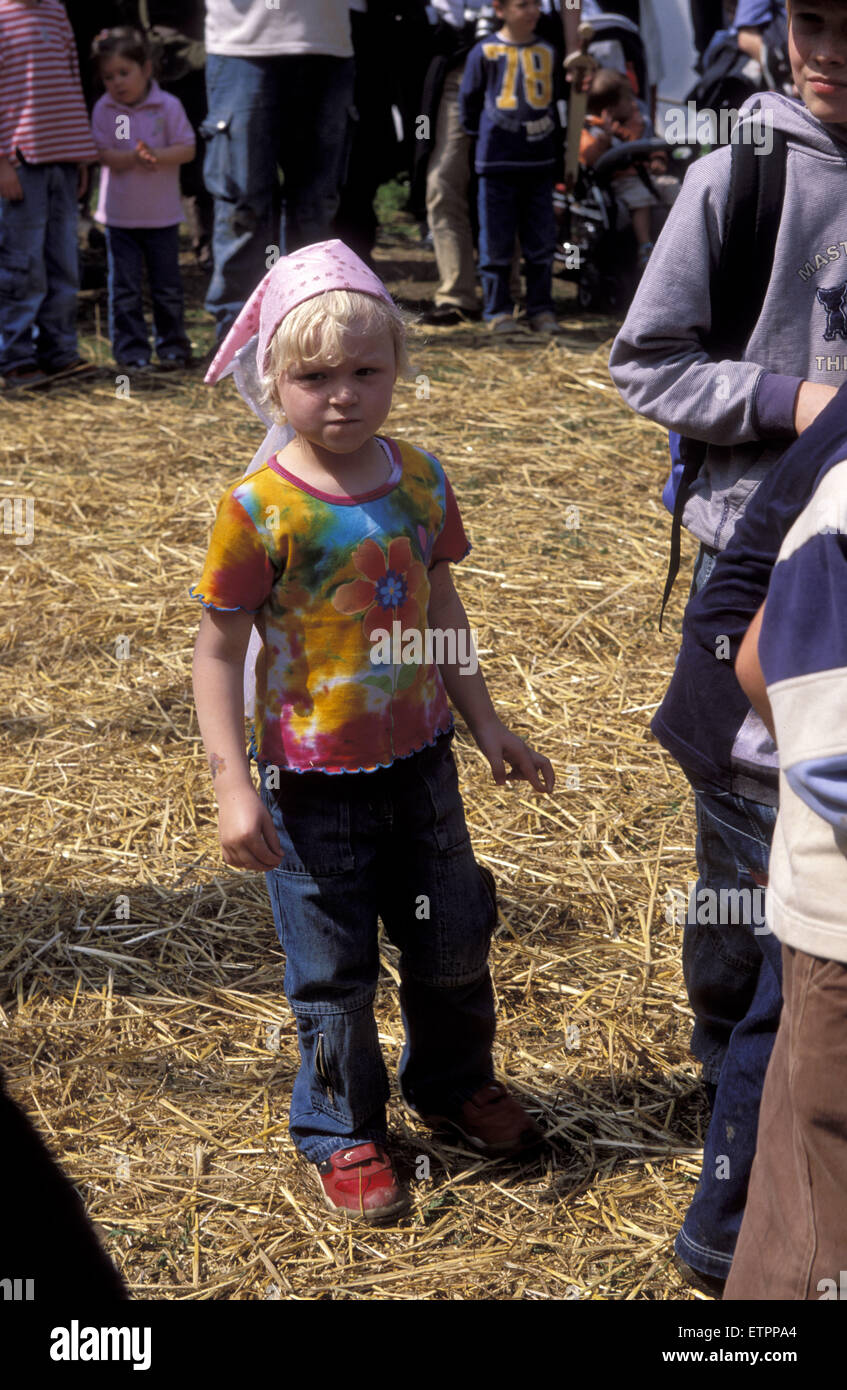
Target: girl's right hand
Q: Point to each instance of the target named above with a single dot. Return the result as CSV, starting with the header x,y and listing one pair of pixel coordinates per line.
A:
x,y
10,184
145,156
248,836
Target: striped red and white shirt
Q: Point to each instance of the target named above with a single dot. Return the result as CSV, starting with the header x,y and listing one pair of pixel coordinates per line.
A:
x,y
42,110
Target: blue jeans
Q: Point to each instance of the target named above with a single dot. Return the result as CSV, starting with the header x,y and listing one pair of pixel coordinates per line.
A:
x,y
39,271
128,249
394,844
290,111
510,205
733,974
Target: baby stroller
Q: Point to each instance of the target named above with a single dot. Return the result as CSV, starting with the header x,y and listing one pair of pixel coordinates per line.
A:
x,y
596,245
729,76
617,43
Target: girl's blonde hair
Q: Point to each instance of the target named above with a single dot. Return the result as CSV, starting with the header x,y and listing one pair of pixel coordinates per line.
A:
x,y
324,328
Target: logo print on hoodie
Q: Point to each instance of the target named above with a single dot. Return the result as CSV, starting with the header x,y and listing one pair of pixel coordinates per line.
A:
x,y
836,319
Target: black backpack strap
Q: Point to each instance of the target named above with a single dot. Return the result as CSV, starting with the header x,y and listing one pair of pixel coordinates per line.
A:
x,y
694,451
737,288
754,209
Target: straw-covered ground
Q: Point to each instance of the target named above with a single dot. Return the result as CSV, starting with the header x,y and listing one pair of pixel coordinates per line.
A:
x,y
143,1023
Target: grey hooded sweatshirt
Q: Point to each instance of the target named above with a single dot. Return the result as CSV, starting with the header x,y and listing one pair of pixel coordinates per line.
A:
x,y
743,409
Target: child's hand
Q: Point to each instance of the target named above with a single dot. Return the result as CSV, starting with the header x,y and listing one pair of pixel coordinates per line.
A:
x,y
145,155
10,184
247,833
500,747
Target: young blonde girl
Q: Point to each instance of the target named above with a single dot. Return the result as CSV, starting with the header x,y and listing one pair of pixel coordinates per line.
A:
x,y
338,536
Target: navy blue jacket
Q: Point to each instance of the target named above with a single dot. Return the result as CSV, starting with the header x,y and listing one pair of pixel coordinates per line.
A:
x,y
705,719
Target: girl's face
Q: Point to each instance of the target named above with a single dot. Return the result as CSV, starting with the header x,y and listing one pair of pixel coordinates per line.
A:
x,y
341,408
125,80
817,48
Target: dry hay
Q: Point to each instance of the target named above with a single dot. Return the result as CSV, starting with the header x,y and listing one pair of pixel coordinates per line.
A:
x,y
145,1044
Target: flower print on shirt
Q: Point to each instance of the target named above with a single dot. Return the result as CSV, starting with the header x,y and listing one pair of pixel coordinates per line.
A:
x,y
388,590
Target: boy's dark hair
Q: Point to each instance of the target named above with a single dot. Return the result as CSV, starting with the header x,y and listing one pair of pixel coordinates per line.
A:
x,y
123,42
607,87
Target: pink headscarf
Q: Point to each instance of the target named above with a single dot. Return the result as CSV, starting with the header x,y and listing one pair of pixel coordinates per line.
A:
x,y
326,265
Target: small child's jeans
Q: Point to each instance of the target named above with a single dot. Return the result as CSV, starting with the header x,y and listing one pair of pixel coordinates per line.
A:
x,y
516,204
39,273
128,249
394,844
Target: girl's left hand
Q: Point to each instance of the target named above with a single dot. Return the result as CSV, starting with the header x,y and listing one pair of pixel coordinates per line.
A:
x,y
146,155
500,747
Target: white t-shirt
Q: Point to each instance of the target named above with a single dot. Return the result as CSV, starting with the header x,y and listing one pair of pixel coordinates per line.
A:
x,y
260,30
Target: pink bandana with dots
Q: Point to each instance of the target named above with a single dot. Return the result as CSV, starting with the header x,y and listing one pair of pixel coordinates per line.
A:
x,y
326,265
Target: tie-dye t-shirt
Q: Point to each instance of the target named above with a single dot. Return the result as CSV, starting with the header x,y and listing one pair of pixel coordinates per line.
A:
x,y
322,574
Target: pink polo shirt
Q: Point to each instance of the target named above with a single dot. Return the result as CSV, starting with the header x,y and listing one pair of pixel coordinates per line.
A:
x,y
140,197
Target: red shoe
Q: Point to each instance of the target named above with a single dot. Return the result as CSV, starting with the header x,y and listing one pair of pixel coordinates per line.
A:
x,y
492,1122
360,1182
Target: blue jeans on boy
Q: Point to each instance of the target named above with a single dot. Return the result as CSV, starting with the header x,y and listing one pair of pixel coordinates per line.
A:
x,y
289,112
127,250
733,974
391,843
516,204
39,270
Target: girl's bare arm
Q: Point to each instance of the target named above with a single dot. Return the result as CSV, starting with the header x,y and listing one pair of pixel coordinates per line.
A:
x,y
469,694
248,837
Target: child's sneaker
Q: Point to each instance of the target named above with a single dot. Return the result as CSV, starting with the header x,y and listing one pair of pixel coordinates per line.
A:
x,y
142,368
24,379
359,1182
492,1122
78,369
544,323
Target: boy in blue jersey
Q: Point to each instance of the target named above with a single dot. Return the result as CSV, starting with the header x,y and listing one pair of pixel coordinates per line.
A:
x,y
507,101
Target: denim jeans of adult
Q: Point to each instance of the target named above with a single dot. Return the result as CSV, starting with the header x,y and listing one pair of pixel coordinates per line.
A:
x,y
394,844
516,204
39,270
288,112
128,249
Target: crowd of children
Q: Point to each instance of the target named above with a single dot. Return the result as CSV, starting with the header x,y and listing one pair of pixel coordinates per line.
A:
x,y
506,101
342,531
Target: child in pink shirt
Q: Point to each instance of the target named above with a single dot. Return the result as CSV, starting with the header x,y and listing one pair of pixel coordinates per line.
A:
x,y
45,147
142,136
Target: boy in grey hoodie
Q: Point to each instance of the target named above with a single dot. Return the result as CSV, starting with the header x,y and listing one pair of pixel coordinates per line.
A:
x,y
748,411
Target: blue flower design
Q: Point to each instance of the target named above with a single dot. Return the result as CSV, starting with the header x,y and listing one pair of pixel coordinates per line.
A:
x,y
391,590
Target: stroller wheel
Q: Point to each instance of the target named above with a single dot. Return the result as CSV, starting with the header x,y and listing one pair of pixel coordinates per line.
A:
x,y
598,292
586,294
